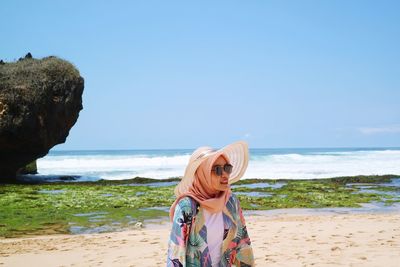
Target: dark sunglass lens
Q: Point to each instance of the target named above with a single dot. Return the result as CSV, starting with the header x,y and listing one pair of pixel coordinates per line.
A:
x,y
228,168
218,170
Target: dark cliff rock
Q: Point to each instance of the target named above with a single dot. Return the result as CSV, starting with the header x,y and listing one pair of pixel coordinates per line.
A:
x,y
40,100
31,168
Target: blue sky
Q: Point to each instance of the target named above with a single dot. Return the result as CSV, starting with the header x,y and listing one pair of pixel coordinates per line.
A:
x,y
181,74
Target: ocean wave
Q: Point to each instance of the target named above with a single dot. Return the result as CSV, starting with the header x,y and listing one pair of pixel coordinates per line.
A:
x,y
291,165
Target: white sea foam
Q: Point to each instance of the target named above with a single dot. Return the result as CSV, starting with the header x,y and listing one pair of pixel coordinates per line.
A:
x,y
113,167
263,164
324,165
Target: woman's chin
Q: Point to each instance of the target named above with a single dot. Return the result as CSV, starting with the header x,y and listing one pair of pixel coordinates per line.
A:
x,y
223,187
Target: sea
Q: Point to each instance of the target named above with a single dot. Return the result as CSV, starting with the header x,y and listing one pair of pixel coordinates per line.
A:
x,y
286,163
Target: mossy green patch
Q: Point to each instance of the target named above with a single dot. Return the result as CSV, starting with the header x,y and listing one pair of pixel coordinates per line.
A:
x,y
25,208
64,206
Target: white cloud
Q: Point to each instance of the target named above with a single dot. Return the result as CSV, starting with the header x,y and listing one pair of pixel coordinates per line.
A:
x,y
380,130
247,136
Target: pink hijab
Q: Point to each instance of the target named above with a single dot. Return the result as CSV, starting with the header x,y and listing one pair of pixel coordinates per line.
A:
x,y
203,188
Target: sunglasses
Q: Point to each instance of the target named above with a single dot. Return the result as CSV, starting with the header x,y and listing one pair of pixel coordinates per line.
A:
x,y
218,169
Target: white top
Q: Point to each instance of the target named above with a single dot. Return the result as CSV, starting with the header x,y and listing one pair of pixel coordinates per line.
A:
x,y
215,235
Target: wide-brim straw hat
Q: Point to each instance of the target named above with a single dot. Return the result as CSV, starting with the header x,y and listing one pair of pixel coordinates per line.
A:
x,y
237,154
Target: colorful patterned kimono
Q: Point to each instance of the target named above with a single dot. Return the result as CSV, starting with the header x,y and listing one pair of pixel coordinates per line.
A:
x,y
188,240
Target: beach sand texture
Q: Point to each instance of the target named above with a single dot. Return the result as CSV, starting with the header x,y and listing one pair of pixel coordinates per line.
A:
x,y
278,240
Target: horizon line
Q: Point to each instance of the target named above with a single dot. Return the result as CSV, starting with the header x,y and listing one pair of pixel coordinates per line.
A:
x,y
272,148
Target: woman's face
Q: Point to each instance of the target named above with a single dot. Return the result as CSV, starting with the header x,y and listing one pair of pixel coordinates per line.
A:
x,y
220,183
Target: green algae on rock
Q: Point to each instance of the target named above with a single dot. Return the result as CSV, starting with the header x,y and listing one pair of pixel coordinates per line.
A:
x,y
65,207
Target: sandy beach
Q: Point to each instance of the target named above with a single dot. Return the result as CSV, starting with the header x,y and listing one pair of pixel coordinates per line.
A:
x,y
288,239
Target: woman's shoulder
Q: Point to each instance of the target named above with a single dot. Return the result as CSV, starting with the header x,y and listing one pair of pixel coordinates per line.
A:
x,y
187,204
233,198
233,201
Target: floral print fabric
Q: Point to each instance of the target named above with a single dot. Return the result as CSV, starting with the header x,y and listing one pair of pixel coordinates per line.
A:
x,y
188,239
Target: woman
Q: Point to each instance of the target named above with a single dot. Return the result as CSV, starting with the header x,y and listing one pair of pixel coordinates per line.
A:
x,y
208,227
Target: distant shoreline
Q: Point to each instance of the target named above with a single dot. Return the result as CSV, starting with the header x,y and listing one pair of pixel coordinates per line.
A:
x,y
255,148
38,179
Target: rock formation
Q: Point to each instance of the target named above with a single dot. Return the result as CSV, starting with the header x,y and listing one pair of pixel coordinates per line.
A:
x,y
40,100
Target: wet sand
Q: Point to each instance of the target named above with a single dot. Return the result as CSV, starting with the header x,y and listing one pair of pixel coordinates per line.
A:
x,y
281,239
